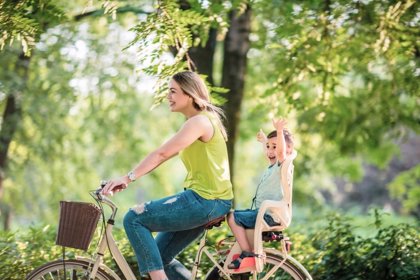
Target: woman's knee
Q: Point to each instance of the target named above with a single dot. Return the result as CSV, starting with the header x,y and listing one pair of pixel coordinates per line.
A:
x,y
130,219
134,215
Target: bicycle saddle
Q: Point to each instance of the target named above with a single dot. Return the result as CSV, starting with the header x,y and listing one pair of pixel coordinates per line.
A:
x,y
214,223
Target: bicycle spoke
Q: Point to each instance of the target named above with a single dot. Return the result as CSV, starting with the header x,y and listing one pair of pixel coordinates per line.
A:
x,y
75,270
274,269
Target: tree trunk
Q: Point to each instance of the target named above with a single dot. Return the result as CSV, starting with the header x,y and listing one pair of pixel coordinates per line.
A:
x,y
203,57
10,121
236,48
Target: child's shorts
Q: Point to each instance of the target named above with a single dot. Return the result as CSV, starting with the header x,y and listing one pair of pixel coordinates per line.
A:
x,y
247,218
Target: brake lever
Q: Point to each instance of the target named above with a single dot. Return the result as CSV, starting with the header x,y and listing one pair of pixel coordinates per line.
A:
x,y
98,191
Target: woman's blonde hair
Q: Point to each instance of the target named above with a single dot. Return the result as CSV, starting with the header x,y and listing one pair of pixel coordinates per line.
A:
x,y
192,85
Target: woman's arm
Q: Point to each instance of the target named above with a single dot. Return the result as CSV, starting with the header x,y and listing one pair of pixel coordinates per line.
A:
x,y
194,128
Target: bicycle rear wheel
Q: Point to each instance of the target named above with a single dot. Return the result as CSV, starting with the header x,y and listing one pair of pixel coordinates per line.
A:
x,y
74,270
287,271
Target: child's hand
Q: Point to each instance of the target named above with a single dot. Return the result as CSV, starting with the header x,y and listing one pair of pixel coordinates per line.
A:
x,y
279,124
261,137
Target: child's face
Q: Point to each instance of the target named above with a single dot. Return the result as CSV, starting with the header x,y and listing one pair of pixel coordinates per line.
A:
x,y
270,149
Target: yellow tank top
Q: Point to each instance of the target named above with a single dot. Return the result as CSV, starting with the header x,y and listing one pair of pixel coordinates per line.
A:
x,y
208,166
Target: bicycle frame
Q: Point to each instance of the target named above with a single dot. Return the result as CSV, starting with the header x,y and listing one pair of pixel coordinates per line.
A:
x,y
202,248
235,249
108,241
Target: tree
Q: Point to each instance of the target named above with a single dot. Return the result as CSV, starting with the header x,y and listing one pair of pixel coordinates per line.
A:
x,y
190,29
345,71
36,132
333,64
25,21
350,72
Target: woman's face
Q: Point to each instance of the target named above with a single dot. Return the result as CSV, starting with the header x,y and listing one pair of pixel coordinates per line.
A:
x,y
178,100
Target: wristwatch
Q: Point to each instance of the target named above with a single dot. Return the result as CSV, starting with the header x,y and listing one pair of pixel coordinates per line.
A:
x,y
131,176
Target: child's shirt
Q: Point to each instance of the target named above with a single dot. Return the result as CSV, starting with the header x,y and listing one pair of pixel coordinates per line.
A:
x,y
269,187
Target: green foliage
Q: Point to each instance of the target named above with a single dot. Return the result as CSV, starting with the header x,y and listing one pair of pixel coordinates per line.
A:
x,y
405,187
391,253
26,21
169,27
86,116
345,73
175,28
330,63
22,252
333,251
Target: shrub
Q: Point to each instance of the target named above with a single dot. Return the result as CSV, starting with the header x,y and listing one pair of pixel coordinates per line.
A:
x,y
334,252
22,252
392,253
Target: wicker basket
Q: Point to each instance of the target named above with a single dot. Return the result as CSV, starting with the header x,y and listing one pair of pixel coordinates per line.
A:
x,y
78,221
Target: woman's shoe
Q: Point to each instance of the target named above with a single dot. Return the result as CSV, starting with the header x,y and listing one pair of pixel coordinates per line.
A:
x,y
238,261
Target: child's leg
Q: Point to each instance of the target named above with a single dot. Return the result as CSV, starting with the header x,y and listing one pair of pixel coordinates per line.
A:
x,y
239,233
239,221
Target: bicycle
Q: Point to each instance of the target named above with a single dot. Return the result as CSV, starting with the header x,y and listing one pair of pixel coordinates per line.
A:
x,y
270,263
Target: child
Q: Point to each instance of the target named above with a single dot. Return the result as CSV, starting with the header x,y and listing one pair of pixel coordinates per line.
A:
x,y
278,145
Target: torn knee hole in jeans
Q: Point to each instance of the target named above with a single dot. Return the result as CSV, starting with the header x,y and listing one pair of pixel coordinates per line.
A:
x,y
139,208
171,200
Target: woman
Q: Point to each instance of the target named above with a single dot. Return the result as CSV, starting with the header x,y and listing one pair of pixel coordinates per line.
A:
x,y
180,219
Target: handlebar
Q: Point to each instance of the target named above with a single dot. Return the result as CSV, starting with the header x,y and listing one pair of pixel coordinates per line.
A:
x,y
102,199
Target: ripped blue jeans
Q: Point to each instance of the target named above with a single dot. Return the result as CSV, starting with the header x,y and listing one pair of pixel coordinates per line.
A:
x,y
179,219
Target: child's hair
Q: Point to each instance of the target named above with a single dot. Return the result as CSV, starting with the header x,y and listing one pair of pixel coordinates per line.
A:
x,y
287,136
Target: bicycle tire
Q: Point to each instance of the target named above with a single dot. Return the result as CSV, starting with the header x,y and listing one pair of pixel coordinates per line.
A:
x,y
288,271
75,270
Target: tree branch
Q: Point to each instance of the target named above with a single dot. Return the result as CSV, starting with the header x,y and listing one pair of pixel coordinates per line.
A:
x,y
101,12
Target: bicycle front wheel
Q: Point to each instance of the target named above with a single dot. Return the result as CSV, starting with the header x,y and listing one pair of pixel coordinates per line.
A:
x,y
272,271
67,270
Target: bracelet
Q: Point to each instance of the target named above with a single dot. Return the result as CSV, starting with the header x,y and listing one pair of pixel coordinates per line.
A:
x,y
131,176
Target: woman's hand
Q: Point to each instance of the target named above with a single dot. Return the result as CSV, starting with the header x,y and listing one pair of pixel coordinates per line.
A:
x,y
261,137
115,185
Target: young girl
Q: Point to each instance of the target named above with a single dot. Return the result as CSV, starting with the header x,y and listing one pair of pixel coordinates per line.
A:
x,y
279,144
180,219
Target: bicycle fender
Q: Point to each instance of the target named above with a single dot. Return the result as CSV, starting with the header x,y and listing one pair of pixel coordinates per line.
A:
x,y
291,259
